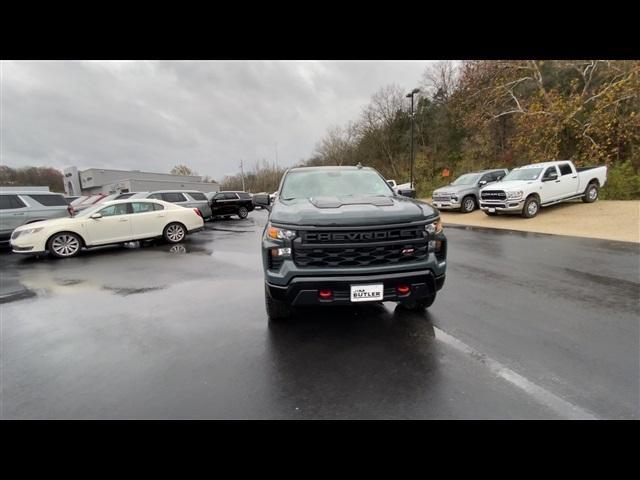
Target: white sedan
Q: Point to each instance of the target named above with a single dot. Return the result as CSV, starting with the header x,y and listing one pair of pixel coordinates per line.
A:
x,y
118,221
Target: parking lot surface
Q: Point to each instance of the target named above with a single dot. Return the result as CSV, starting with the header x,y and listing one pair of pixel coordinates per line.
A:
x,y
527,326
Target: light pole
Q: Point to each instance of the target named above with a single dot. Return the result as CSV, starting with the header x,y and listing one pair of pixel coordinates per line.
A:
x,y
410,95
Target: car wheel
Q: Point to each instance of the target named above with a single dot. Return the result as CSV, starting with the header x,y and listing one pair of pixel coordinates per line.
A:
x,y
468,204
591,193
174,232
531,207
418,305
243,212
491,214
276,309
64,245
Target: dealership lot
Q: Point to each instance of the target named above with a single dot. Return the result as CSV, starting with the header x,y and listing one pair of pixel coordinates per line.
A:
x,y
527,326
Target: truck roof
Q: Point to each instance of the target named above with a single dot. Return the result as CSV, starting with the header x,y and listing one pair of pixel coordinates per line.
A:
x,y
332,167
544,164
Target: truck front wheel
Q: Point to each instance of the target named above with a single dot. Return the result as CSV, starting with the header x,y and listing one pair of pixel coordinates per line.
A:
x,y
531,207
276,309
591,193
468,204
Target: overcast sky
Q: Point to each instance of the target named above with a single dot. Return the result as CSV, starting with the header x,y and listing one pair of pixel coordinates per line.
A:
x,y
151,116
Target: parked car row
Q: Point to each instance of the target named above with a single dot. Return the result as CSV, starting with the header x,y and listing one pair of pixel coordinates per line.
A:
x,y
20,209
112,222
523,190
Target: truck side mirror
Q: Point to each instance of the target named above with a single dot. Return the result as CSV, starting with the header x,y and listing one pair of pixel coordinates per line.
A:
x,y
262,200
407,192
482,182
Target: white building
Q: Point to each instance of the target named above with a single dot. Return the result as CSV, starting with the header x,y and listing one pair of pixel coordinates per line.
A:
x,y
102,180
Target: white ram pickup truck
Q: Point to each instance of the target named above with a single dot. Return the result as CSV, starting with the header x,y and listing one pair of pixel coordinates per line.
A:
x,y
525,189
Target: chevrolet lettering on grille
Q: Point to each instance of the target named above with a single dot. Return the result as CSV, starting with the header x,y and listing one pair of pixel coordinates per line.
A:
x,y
360,236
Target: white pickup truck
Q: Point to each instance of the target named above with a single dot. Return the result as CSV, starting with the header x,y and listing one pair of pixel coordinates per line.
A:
x,y
525,189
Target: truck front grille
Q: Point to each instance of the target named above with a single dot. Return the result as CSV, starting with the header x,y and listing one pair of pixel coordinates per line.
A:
x,y
493,195
361,247
360,256
441,197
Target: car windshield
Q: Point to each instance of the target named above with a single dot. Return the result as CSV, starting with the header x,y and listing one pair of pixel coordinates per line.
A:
x,y
468,179
89,211
329,182
523,174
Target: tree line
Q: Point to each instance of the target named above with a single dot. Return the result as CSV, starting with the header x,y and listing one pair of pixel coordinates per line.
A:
x,y
32,176
484,114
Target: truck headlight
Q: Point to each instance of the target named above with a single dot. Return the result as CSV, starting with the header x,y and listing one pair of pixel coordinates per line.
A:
x,y
514,195
433,228
280,233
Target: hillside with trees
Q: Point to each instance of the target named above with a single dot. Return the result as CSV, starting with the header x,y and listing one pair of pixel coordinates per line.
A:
x,y
32,176
484,114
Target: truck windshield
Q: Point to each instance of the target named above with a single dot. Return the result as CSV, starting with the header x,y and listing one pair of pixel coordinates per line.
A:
x,y
328,183
523,174
467,179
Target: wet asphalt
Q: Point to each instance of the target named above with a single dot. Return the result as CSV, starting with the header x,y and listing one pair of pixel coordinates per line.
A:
x,y
528,326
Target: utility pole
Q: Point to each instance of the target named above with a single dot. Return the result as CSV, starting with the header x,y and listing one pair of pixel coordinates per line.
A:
x,y
276,156
411,94
242,174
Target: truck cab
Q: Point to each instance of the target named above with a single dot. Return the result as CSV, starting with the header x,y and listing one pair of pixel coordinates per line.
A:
x,y
526,189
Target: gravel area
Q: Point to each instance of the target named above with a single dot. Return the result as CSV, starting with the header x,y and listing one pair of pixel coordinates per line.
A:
x,y
606,219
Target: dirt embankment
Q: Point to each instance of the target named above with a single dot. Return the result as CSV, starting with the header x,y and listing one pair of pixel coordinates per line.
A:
x,y
606,219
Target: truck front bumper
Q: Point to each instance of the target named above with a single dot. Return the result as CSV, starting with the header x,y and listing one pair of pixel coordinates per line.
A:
x,y
502,205
304,291
448,205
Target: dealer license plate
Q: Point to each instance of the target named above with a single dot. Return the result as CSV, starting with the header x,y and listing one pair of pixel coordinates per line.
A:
x,y
492,210
367,293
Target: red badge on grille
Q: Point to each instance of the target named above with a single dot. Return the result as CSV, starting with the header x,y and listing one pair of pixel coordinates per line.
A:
x,y
407,251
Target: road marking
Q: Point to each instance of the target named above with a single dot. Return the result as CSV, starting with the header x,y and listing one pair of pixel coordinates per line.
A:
x,y
550,400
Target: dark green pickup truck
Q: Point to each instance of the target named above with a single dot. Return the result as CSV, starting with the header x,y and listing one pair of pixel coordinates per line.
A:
x,y
341,235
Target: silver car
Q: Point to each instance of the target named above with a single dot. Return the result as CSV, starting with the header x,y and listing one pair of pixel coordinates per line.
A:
x,y
463,194
184,198
21,207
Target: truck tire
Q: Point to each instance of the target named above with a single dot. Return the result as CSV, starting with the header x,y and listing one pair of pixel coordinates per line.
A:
x,y
418,305
531,207
468,204
491,214
591,193
276,310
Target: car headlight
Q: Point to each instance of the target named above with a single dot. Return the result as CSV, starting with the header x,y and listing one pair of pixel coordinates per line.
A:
x,y
514,195
280,233
434,228
26,231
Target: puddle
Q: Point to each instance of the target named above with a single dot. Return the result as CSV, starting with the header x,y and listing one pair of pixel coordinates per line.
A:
x,y
231,230
65,282
187,249
123,291
15,296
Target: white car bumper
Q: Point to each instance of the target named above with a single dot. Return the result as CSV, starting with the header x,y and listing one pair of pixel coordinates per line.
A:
x,y
28,243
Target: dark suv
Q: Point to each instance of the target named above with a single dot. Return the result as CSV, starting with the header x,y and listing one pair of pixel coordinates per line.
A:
x,y
341,235
225,204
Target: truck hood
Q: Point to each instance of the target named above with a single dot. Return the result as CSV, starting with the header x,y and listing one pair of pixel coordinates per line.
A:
x,y
509,185
453,189
348,210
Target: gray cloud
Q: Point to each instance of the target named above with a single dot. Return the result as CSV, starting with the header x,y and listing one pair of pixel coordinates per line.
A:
x,y
208,115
